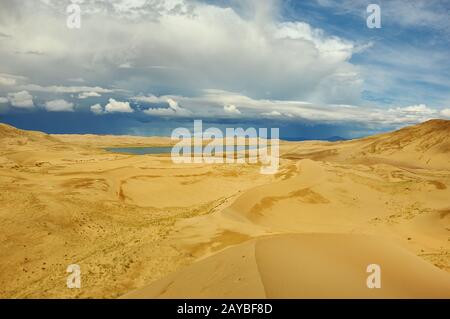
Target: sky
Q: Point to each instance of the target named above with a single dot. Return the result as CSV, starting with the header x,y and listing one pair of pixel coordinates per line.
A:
x,y
313,68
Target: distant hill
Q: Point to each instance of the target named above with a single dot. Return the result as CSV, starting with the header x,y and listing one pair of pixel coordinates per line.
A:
x,y
426,143
9,135
335,139
433,135
422,145
329,139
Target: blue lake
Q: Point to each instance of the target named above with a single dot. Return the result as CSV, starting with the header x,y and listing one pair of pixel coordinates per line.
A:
x,y
157,149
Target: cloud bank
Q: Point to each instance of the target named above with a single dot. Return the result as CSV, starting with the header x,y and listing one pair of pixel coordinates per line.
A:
x,y
243,60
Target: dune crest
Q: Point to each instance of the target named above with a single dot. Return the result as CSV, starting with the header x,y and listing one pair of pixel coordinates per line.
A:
x,y
304,266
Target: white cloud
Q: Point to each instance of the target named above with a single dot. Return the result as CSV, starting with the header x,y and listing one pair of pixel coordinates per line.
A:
x,y
328,47
21,99
113,106
231,108
3,100
149,99
85,95
65,89
97,109
211,104
7,81
118,107
396,116
445,112
59,106
10,79
273,113
126,65
193,45
407,114
173,104
160,111
420,109
173,110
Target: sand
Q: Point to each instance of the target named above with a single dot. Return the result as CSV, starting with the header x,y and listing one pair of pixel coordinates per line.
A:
x,y
304,266
142,226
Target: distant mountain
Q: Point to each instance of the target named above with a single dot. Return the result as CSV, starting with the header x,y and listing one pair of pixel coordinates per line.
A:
x,y
335,139
329,139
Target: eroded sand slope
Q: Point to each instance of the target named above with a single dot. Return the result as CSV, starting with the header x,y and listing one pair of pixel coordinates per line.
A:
x,y
304,266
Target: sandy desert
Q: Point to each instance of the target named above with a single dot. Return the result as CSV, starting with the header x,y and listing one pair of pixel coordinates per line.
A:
x,y
141,226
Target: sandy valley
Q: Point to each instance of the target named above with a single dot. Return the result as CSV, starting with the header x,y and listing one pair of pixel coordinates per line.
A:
x,y
142,226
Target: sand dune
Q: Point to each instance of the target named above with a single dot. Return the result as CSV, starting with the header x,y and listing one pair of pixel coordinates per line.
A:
x,y
425,145
304,266
112,140
131,220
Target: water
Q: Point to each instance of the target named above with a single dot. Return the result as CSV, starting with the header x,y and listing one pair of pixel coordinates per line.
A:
x,y
157,149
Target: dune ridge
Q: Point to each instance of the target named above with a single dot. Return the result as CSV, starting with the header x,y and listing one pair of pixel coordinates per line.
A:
x,y
304,266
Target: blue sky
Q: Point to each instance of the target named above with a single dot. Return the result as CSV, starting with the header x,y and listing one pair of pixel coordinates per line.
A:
x,y
312,68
